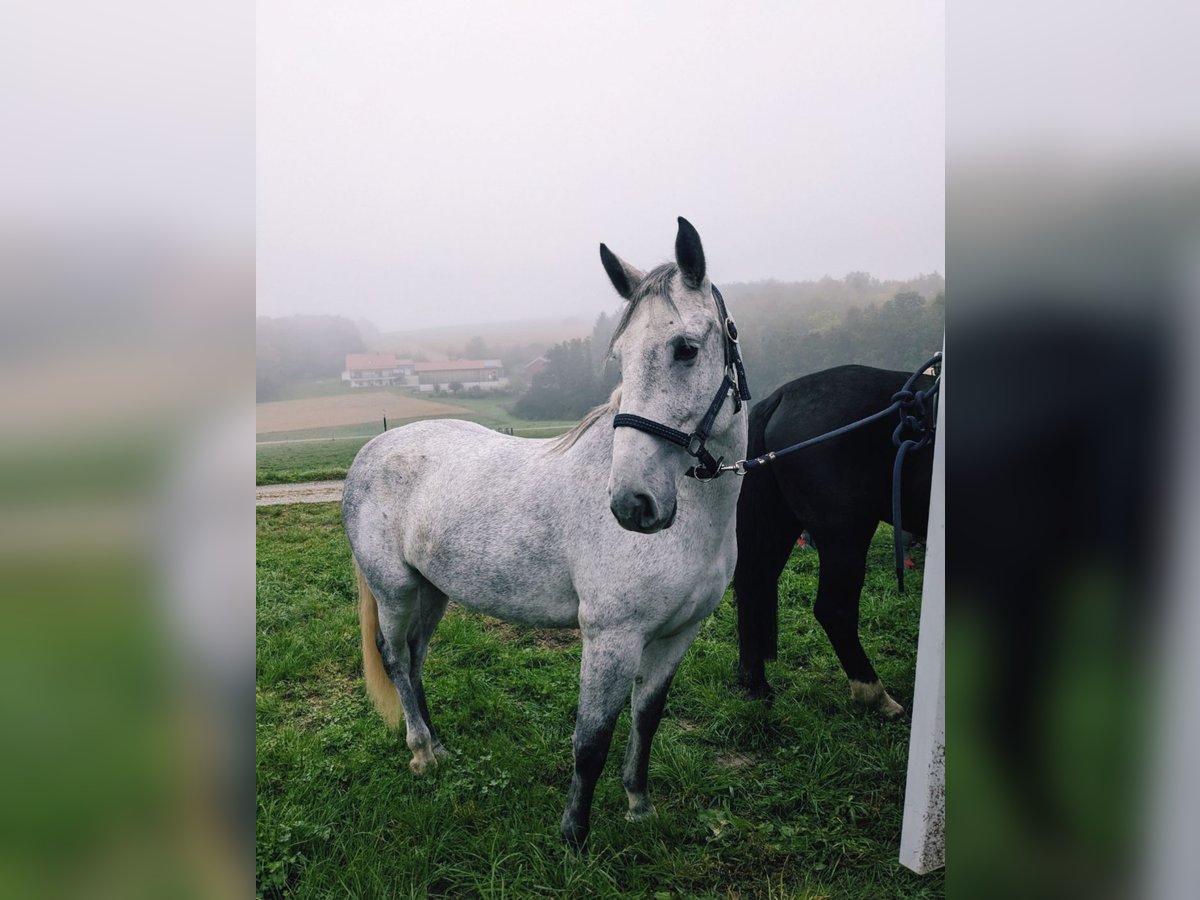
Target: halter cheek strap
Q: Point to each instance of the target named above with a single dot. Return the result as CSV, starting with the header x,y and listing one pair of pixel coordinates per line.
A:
x,y
733,384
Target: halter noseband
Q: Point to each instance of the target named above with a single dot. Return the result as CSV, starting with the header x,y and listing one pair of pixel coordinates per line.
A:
x,y
733,384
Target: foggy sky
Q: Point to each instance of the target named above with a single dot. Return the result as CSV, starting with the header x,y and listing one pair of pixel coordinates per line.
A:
x,y
423,163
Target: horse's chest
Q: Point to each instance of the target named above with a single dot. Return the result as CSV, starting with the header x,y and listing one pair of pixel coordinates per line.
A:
x,y
674,601
694,609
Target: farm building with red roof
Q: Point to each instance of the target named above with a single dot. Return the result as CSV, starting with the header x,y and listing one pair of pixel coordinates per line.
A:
x,y
377,369
487,374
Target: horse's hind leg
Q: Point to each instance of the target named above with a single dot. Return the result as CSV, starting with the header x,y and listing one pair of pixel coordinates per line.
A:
x,y
405,625
843,553
660,659
433,606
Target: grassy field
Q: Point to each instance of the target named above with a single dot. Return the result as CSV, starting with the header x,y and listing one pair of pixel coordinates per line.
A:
x,y
313,387
314,454
799,799
307,461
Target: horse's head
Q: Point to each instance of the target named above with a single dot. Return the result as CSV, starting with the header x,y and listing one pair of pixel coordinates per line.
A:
x,y
671,347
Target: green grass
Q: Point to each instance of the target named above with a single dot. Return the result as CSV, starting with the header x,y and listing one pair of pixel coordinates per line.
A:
x,y
329,432
799,799
308,461
313,387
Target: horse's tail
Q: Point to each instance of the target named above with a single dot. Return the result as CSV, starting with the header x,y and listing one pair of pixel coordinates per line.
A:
x,y
379,684
757,606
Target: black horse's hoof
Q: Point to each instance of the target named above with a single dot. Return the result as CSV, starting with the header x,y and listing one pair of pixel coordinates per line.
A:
x,y
762,691
574,836
754,684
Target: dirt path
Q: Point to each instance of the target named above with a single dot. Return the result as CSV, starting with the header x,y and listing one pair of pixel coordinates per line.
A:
x,y
305,492
320,440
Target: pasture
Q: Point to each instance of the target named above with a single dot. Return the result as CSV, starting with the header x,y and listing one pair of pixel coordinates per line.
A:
x,y
802,798
309,460
325,450
361,406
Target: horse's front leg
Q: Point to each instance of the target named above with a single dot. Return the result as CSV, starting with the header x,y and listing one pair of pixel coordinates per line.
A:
x,y
609,663
843,554
660,659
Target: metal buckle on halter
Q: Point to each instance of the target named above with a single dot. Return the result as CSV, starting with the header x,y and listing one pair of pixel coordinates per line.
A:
x,y
716,472
695,444
731,331
734,387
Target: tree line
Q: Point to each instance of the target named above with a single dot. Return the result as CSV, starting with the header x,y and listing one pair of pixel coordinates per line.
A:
x,y
572,382
787,329
899,332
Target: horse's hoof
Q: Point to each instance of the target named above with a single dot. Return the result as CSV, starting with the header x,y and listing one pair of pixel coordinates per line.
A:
x,y
757,690
873,696
440,751
889,708
753,682
422,762
641,813
574,836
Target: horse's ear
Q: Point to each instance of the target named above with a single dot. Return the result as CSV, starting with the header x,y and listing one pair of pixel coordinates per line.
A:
x,y
623,276
689,254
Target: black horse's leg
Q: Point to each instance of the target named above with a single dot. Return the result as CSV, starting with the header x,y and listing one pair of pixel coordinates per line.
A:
x,y
605,678
843,554
766,533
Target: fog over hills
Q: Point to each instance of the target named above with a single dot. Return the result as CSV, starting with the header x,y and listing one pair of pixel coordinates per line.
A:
x,y
426,165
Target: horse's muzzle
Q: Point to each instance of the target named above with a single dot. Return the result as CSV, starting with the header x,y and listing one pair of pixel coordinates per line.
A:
x,y
640,512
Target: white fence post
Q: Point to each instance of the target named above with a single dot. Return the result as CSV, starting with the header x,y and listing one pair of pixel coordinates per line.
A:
x,y
923,836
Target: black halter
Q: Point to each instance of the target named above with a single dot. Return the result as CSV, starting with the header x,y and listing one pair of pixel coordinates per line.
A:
x,y
733,384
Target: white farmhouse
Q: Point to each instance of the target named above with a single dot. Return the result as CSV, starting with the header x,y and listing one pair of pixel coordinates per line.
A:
x,y
486,374
377,369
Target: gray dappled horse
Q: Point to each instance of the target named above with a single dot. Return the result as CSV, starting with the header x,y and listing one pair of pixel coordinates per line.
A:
x,y
598,529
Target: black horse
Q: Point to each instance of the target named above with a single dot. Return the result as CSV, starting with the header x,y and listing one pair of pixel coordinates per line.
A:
x,y
839,491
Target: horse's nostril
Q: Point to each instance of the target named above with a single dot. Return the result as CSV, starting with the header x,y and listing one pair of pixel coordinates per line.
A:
x,y
638,511
646,510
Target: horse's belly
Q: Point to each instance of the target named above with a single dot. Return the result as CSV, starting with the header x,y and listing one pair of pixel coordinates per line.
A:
x,y
525,609
501,578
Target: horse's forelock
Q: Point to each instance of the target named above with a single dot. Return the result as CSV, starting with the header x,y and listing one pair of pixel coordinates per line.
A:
x,y
656,284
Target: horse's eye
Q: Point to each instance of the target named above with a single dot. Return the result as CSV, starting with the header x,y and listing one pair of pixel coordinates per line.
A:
x,y
685,352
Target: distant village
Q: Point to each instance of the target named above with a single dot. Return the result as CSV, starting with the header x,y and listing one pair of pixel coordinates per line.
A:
x,y
381,369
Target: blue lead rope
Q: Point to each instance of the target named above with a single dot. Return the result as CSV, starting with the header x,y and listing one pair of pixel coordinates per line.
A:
x,y
913,432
